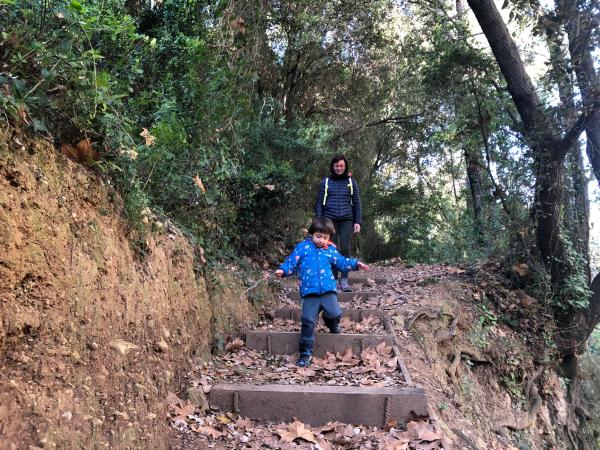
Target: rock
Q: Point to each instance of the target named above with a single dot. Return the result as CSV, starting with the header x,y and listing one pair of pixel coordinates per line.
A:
x,y
161,346
123,347
198,398
96,422
165,332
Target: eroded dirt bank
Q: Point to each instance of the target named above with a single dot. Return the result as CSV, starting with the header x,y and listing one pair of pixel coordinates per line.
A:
x,y
92,338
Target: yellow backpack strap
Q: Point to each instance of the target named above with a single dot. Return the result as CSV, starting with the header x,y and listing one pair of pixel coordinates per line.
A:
x,y
351,186
326,189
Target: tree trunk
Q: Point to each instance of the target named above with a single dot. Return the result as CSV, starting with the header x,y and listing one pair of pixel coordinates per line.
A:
x,y
475,186
575,323
576,220
579,29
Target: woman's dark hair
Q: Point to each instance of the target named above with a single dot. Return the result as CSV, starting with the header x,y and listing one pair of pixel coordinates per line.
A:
x,y
321,225
338,158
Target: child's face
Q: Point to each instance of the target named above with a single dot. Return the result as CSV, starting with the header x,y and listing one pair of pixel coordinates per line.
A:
x,y
320,239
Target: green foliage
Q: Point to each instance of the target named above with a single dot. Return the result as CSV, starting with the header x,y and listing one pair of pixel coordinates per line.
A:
x,y
574,291
85,69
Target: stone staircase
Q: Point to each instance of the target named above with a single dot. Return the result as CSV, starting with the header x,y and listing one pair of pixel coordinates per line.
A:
x,y
325,402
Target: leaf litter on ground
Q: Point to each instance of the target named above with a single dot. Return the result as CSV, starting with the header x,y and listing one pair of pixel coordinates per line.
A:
x,y
218,430
369,324
375,367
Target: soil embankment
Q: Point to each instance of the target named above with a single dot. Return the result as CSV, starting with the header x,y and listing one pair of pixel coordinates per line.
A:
x,y
92,337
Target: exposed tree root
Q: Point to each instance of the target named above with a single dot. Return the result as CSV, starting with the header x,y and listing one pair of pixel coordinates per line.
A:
x,y
428,313
473,355
523,423
446,335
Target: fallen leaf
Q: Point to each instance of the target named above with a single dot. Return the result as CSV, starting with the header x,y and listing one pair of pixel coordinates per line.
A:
x,y
423,431
234,344
296,430
223,419
522,269
148,137
199,183
207,431
239,24
172,399
183,410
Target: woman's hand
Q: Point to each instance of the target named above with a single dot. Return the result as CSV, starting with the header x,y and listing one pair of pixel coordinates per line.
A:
x,y
362,266
279,273
357,228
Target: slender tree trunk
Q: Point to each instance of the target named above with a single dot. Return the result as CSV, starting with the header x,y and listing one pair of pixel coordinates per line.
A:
x,y
420,182
475,185
577,206
579,29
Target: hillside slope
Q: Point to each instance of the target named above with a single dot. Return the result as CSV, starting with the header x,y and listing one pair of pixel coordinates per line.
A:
x,y
92,337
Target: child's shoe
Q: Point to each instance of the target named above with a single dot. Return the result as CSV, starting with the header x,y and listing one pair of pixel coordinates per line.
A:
x,y
333,324
335,329
344,285
304,360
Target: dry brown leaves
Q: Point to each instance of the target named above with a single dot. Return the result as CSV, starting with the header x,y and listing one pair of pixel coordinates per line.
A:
x,y
369,324
376,366
147,137
230,431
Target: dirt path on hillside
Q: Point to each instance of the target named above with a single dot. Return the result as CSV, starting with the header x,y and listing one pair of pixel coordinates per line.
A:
x,y
453,344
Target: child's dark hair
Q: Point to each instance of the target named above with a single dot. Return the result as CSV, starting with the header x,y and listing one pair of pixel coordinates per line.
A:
x,y
321,225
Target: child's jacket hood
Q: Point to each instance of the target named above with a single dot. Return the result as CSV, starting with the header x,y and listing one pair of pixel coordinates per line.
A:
x,y
314,267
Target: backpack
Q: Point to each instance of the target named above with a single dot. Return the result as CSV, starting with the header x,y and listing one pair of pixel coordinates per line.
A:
x,y
350,185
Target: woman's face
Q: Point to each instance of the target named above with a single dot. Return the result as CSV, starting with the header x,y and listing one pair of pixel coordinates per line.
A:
x,y
339,167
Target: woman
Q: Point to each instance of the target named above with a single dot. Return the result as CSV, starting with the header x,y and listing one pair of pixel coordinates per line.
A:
x,y
339,200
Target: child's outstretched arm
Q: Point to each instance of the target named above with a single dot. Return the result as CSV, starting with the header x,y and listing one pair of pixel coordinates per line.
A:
x,y
344,264
290,265
362,266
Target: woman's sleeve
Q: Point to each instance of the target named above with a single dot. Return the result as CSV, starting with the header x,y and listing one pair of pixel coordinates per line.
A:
x,y
319,209
356,206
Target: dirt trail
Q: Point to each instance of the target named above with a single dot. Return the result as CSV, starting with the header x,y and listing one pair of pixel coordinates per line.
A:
x,y
478,373
102,348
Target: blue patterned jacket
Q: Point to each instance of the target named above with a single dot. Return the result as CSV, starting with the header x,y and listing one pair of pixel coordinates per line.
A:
x,y
314,264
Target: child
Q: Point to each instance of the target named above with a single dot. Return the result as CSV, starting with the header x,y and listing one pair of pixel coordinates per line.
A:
x,y
314,259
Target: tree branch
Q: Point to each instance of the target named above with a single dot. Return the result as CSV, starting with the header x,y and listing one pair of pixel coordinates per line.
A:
x,y
396,120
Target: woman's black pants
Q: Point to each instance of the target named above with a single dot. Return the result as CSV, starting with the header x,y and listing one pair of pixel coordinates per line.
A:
x,y
342,239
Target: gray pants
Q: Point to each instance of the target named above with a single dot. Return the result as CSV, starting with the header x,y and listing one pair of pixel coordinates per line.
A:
x,y
342,240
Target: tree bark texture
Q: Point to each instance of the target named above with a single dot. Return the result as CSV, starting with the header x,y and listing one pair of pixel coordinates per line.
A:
x,y
579,28
543,135
576,220
519,84
475,186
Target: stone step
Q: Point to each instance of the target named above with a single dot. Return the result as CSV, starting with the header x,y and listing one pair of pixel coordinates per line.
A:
x,y
361,278
344,296
317,405
355,315
286,343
